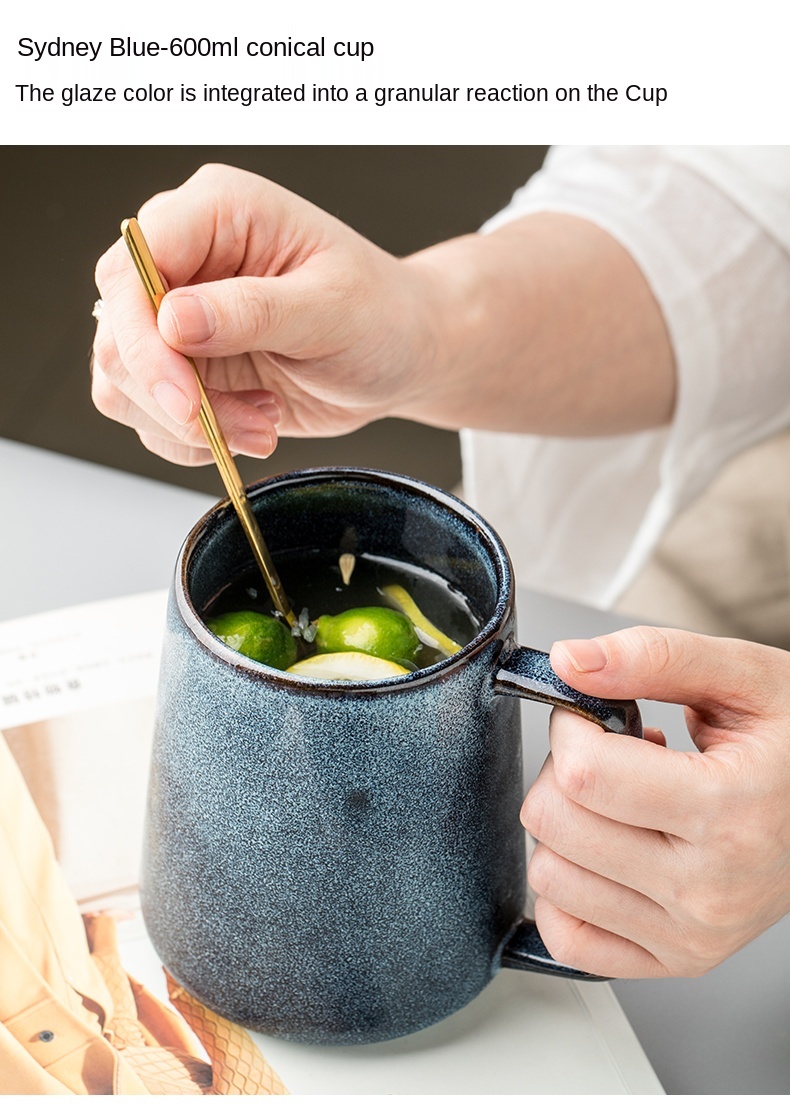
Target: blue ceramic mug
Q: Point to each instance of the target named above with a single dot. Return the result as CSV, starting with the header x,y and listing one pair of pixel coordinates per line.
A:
x,y
333,862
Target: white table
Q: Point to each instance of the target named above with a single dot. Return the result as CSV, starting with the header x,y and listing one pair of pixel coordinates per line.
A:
x,y
76,532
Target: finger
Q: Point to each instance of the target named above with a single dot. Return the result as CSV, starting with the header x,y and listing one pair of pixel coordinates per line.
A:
x,y
160,372
289,314
173,451
703,672
253,443
108,370
654,735
250,418
641,858
606,905
117,404
634,782
587,947
119,397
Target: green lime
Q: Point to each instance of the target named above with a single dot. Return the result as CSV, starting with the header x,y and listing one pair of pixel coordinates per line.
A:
x,y
382,632
262,638
347,665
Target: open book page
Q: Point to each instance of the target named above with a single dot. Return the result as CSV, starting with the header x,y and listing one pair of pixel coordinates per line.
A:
x,y
77,692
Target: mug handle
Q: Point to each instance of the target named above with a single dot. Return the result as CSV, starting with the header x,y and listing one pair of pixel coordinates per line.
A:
x,y
528,674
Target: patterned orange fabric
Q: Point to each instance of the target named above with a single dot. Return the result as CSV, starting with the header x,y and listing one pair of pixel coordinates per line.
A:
x,y
236,1063
71,1019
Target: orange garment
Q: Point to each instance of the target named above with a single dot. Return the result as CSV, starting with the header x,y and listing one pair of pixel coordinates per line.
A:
x,y
71,1020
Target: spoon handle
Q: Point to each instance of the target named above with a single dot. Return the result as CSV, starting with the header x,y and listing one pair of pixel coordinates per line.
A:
x,y
154,286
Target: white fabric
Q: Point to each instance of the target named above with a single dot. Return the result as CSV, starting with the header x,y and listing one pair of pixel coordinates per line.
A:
x,y
710,229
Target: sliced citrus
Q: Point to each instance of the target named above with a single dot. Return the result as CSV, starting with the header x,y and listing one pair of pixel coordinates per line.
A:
x,y
428,632
347,665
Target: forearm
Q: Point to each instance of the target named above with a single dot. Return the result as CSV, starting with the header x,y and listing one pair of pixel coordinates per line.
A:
x,y
546,326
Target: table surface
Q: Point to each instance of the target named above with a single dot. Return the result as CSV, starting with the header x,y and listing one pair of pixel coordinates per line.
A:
x,y
77,532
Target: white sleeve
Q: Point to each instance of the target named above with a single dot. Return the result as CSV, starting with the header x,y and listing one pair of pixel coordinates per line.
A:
x,y
709,228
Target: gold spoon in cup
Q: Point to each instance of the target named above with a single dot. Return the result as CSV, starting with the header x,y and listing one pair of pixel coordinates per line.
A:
x,y
154,286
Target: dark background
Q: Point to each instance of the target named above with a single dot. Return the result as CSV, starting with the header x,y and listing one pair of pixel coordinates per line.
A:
x,y
63,206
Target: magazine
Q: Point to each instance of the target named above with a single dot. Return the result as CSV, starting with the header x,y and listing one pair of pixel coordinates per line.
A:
x,y
77,689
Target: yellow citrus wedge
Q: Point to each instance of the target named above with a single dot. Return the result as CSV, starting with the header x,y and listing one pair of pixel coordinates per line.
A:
x,y
433,636
347,665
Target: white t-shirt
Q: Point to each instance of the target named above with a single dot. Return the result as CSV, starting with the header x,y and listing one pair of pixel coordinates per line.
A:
x,y
710,229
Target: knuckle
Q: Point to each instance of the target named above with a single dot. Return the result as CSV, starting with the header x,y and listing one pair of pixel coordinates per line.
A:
x,y
686,964
728,821
152,203
538,809
104,395
193,437
135,353
156,445
543,872
100,270
698,944
711,823
175,452
250,305
709,918
712,913
734,841
105,267
654,644
211,171
110,266
575,776
103,358
561,940
703,951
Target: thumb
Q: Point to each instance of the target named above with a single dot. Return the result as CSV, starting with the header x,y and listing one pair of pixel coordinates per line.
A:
x,y
710,675
285,314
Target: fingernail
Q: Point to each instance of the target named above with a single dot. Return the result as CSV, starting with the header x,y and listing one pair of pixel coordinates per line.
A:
x,y
585,655
255,444
173,401
192,317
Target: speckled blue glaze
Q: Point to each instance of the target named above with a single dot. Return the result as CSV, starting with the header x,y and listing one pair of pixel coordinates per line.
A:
x,y
337,863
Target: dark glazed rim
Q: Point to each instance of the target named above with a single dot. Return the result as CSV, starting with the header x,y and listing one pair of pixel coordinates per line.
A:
x,y
257,670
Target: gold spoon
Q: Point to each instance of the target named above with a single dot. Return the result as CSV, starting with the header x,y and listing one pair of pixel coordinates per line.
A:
x,y
149,275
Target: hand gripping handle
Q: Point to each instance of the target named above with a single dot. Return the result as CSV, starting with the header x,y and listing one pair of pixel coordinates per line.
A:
x,y
527,673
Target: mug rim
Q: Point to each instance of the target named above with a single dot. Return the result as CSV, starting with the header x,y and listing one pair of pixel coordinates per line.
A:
x,y
316,475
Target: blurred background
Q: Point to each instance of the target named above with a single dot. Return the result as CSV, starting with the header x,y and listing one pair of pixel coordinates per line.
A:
x,y
63,207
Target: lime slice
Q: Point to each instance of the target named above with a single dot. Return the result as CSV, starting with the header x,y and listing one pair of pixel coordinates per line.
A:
x,y
347,665
428,632
373,630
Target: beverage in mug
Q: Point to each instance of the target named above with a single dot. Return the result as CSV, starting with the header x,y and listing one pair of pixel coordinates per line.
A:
x,y
361,605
